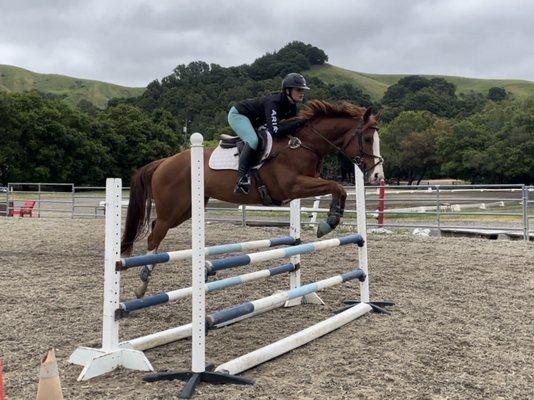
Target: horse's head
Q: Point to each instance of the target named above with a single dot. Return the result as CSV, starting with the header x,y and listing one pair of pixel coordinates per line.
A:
x,y
346,128
362,144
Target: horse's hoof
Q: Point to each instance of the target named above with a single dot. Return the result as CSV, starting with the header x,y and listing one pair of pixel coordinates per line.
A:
x,y
141,290
145,273
323,229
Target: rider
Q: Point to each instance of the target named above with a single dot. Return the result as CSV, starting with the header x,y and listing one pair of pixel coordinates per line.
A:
x,y
248,115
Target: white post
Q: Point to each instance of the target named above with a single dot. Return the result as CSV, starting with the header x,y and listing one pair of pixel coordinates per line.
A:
x,y
294,232
112,278
294,277
362,230
100,361
198,338
266,353
316,204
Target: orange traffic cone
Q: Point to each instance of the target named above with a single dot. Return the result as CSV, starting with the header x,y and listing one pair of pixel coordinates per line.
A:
x,y
49,384
2,393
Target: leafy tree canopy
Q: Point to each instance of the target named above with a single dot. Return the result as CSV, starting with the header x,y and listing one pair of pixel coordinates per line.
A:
x,y
435,95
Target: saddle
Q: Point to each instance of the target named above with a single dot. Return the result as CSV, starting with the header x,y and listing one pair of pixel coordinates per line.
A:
x,y
229,142
226,156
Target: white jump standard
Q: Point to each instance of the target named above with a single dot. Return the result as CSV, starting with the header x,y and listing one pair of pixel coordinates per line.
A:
x,y
200,372
99,361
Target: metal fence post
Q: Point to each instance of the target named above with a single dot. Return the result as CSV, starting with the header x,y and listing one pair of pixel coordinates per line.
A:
x,y
438,209
9,208
39,200
73,191
526,228
7,201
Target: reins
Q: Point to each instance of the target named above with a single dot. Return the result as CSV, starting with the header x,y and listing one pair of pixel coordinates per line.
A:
x,y
295,142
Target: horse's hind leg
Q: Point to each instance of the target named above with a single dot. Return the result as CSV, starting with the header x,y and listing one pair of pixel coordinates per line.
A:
x,y
159,230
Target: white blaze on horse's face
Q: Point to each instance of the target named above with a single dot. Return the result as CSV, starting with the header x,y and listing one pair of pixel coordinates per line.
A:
x,y
377,172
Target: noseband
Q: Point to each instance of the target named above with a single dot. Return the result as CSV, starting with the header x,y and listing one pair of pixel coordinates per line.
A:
x,y
358,160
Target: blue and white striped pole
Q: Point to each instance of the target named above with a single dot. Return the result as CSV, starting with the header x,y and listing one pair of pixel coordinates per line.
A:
x,y
240,310
159,258
175,295
253,258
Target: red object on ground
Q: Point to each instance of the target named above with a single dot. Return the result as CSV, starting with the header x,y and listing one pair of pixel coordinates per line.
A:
x,y
26,209
2,393
381,202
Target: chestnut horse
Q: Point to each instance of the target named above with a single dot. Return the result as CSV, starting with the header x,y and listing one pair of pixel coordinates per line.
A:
x,y
291,172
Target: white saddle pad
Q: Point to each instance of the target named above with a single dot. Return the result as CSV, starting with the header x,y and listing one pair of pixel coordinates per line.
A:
x,y
229,159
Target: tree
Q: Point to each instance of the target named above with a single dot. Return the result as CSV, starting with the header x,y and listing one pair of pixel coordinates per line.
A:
x,y
44,139
497,94
463,151
419,93
470,103
137,138
316,56
408,145
419,152
493,146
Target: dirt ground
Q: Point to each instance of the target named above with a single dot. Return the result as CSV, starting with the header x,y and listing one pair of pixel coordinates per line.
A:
x,y
462,327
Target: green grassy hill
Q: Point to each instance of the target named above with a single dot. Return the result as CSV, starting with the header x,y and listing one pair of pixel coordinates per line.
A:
x,y
14,79
377,84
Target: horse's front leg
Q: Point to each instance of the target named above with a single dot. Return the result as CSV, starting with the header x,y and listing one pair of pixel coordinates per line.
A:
x,y
306,186
335,214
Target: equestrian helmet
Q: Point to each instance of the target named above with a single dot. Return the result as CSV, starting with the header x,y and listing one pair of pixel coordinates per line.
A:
x,y
294,80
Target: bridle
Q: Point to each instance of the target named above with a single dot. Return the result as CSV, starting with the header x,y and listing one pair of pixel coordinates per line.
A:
x,y
358,160
295,142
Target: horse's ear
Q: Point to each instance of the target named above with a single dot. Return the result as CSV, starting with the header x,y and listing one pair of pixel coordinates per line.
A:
x,y
367,115
379,116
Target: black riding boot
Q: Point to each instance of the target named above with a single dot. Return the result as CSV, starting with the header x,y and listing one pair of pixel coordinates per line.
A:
x,y
246,160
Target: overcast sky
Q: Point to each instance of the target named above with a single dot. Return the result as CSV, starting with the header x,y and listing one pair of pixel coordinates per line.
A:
x,y
134,42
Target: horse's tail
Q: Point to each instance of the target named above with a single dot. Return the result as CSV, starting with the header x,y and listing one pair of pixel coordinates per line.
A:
x,y
139,206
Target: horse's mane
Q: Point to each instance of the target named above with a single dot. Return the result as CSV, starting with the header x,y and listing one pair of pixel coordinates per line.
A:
x,y
320,108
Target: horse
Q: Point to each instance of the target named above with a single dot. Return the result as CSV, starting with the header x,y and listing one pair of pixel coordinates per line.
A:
x,y
290,172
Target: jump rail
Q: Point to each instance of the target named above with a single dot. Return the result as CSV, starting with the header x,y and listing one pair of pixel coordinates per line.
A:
x,y
175,295
248,259
240,310
158,258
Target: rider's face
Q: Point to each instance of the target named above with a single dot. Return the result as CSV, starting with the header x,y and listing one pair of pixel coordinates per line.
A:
x,y
297,94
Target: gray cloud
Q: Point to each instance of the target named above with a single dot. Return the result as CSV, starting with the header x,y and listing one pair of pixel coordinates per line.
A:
x,y
134,42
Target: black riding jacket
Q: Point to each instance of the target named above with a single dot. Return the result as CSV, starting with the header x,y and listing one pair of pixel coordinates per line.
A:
x,y
269,110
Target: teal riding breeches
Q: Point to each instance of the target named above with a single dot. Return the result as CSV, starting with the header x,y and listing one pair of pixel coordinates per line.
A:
x,y
242,126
